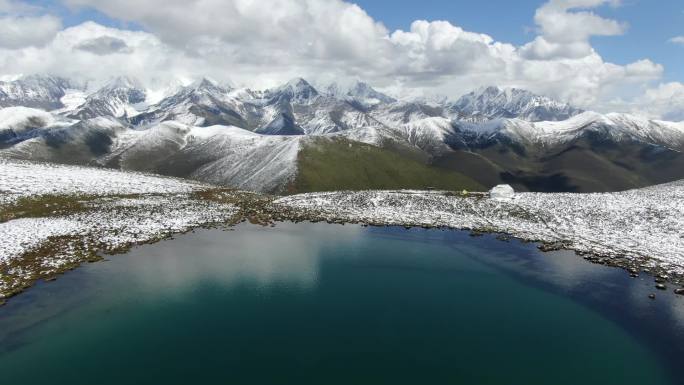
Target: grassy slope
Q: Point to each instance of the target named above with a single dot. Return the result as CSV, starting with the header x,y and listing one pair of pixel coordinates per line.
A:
x,y
583,166
339,164
43,206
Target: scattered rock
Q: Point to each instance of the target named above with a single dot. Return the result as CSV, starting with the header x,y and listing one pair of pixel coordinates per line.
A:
x,y
660,286
651,296
551,246
679,291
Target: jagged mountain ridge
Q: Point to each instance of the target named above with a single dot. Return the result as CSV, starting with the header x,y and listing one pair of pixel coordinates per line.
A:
x,y
493,102
470,136
292,105
35,91
117,98
357,92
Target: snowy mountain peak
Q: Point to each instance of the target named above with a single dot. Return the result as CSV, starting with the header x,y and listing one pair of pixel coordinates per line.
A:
x,y
38,91
122,82
120,97
207,84
489,90
494,102
297,90
357,91
243,94
202,91
298,83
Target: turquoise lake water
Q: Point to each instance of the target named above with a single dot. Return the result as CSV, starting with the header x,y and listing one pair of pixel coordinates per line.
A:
x,y
330,304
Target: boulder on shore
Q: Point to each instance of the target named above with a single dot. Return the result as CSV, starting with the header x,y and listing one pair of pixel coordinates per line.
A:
x,y
502,192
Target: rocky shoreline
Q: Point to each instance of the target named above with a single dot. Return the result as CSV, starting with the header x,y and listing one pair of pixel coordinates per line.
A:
x,y
335,208
265,211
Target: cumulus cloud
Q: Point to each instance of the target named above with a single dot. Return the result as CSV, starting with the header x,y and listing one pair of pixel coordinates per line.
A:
x,y
278,32
565,29
23,31
103,45
664,101
238,40
23,25
145,57
435,49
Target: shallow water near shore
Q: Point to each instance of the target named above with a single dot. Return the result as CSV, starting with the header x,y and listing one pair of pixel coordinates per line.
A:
x,y
330,304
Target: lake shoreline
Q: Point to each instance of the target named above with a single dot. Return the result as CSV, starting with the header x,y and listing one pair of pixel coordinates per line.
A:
x,y
44,234
260,215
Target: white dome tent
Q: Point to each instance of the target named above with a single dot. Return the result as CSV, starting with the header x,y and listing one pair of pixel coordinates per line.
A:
x,y
502,192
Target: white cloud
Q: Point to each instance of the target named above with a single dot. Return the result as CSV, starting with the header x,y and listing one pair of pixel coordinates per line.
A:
x,y
23,31
644,70
278,32
677,40
262,43
565,29
23,25
144,57
664,101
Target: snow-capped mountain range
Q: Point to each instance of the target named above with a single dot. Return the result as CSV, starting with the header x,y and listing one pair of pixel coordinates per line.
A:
x,y
253,138
119,98
494,102
35,91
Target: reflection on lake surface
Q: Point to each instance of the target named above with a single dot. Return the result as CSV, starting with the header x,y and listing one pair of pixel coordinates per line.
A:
x,y
330,304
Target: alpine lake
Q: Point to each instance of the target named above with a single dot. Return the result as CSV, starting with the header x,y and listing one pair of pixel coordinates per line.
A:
x,y
329,304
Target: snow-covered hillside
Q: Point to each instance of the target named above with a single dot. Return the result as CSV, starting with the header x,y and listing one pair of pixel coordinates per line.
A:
x,y
618,127
221,155
119,98
74,212
224,155
19,179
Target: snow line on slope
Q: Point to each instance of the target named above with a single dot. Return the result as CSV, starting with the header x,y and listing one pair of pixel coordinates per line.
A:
x,y
25,178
